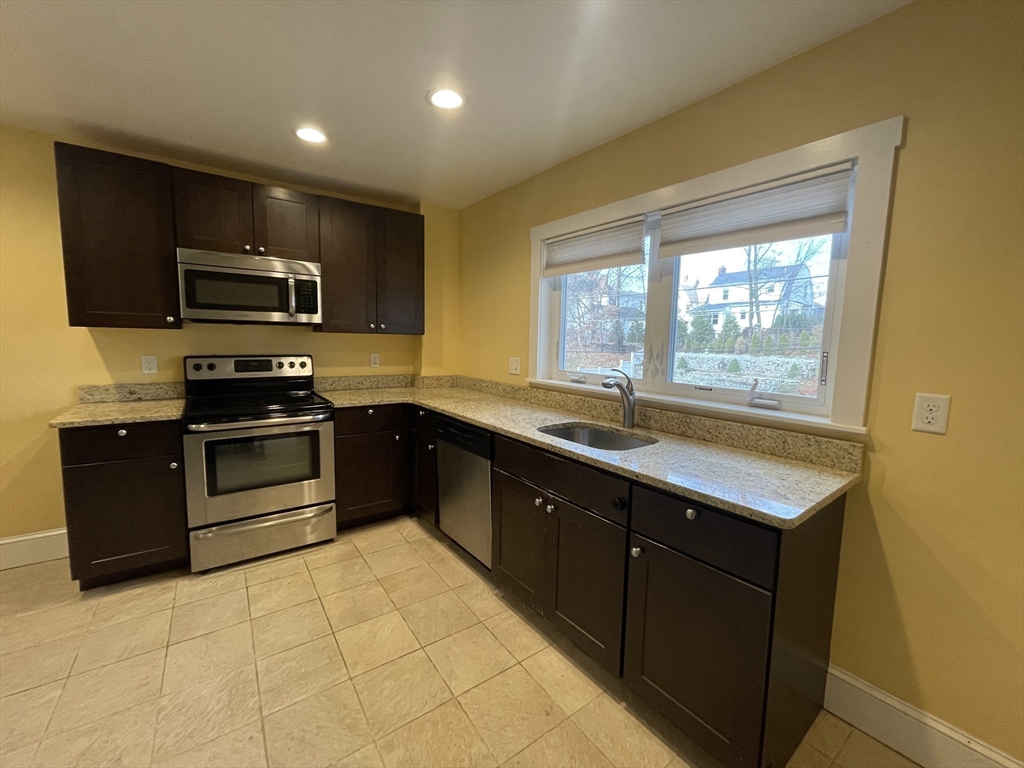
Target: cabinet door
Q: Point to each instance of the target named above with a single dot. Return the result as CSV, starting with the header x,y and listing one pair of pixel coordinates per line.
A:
x,y
586,580
117,232
286,223
348,257
213,213
425,491
697,647
125,514
371,474
517,522
399,272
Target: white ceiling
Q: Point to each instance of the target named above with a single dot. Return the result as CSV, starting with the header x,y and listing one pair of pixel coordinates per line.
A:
x,y
227,82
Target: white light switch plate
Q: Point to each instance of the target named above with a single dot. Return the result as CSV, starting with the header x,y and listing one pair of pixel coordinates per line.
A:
x,y
513,366
375,360
931,413
149,364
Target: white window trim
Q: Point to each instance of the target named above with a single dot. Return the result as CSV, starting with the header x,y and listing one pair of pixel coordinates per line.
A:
x,y
873,147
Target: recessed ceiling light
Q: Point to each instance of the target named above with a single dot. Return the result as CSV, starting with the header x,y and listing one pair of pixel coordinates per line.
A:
x,y
311,135
445,98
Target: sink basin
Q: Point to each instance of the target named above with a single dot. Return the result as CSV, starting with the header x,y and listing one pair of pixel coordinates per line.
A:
x,y
595,436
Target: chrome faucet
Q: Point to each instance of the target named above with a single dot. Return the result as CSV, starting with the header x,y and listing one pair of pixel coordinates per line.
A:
x,y
628,392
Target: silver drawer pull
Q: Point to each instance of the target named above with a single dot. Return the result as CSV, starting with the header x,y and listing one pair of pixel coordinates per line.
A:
x,y
122,432
236,528
430,447
423,413
370,411
636,551
691,514
538,501
397,438
173,465
550,508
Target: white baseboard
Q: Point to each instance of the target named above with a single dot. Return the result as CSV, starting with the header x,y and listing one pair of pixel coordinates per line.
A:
x,y
16,551
912,732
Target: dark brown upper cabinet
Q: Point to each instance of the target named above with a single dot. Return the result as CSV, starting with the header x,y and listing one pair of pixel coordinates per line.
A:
x,y
213,213
348,259
372,268
287,223
399,272
117,231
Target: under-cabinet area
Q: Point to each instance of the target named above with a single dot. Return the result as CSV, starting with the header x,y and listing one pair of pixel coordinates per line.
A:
x,y
720,623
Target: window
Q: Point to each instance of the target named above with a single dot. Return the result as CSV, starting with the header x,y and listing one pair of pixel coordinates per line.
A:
x,y
732,284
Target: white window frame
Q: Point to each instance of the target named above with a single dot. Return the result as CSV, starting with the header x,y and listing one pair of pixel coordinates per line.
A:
x,y
854,282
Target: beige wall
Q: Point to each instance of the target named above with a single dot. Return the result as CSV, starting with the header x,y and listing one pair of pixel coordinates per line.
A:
x,y
931,590
42,360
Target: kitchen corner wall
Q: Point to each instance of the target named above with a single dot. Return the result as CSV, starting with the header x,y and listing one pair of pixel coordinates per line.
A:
x,y
930,603
43,360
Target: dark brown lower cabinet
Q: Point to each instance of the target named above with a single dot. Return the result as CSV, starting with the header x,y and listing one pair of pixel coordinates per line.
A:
x,y
518,537
123,516
697,647
586,574
371,474
425,479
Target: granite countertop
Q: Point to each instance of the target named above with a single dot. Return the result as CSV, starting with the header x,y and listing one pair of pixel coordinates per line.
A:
x,y
779,492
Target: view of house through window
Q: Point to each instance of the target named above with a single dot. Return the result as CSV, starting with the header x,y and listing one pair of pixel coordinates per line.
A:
x,y
753,312
604,316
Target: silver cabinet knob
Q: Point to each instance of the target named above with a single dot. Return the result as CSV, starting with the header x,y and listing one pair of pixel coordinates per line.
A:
x,y
423,413
261,249
691,514
538,501
170,319
382,326
635,551
397,438
370,411
430,447
122,432
550,508
246,248
173,465
372,325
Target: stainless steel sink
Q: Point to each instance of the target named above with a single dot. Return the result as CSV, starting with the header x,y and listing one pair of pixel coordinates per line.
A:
x,y
596,436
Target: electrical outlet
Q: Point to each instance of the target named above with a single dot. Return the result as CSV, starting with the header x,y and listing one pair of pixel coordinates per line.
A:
x,y
931,413
513,366
149,364
375,360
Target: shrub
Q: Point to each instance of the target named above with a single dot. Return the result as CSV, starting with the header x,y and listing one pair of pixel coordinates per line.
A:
x,y
805,340
769,344
794,371
755,344
741,346
734,366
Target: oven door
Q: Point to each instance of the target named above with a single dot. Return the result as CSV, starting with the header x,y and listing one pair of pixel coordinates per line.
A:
x,y
233,472
230,294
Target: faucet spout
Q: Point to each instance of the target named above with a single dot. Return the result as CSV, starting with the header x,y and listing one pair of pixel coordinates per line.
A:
x,y
628,393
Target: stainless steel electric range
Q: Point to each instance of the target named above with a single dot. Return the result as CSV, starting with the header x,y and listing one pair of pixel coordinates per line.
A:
x,y
259,458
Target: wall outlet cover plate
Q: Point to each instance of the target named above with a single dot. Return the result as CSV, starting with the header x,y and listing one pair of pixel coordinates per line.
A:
x,y
149,364
931,413
374,360
513,366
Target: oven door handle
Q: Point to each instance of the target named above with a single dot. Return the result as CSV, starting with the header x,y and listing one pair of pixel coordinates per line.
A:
x,y
236,528
275,422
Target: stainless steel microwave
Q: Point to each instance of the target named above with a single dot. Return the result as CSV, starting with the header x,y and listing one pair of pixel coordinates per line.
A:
x,y
234,288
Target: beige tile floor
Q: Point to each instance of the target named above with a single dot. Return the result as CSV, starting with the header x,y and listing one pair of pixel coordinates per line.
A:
x,y
380,648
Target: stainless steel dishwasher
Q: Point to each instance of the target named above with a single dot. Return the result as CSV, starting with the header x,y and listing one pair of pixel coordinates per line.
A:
x,y
464,486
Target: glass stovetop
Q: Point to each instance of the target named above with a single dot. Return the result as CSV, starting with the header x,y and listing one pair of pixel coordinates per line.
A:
x,y
255,405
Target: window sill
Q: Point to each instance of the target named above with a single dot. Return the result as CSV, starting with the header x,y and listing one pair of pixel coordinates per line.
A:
x,y
799,422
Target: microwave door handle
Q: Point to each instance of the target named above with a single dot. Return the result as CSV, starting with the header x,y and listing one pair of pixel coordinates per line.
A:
x,y
291,297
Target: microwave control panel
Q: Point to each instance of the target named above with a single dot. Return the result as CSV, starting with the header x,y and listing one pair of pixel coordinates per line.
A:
x,y
306,297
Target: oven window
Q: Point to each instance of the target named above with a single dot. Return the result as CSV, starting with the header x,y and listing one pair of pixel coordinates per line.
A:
x,y
226,290
246,463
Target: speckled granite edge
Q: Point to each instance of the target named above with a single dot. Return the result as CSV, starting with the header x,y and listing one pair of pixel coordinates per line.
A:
x,y
436,382
119,412
121,393
812,449
386,381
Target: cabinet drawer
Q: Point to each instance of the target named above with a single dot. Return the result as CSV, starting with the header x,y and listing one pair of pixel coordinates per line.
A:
x,y
92,445
742,549
424,421
607,496
370,418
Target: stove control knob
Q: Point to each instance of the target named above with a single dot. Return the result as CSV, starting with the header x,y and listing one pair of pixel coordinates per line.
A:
x,y
211,366
280,364
197,366
302,364
291,364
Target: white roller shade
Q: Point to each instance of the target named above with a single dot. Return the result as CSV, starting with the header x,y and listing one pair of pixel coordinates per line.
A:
x,y
806,206
617,246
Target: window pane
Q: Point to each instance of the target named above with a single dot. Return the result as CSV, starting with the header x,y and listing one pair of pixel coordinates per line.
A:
x,y
604,316
753,312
